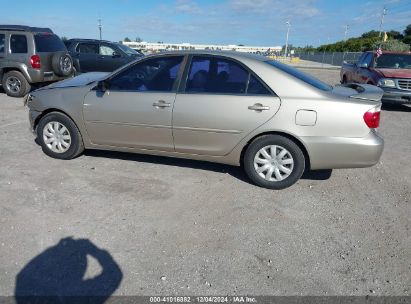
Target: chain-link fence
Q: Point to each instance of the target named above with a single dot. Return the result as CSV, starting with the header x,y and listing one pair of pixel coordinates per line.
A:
x,y
334,58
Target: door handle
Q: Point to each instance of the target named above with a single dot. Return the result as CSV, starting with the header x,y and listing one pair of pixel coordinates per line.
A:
x,y
258,107
161,104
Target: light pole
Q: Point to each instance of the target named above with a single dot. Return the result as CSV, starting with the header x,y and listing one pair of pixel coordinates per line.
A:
x,y
99,28
286,40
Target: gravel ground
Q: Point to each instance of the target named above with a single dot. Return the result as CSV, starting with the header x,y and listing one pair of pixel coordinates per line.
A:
x,y
176,227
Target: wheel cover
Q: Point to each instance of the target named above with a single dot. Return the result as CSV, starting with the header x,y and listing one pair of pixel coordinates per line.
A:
x,y
65,64
56,137
13,84
273,163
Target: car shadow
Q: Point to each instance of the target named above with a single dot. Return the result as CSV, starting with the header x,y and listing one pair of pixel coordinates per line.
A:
x,y
234,171
57,275
396,108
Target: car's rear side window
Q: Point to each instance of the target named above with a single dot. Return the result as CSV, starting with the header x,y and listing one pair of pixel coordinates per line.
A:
x,y
46,42
2,40
300,75
222,76
88,48
18,44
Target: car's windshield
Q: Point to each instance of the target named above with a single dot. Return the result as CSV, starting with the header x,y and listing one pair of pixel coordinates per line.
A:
x,y
46,42
127,50
300,75
393,61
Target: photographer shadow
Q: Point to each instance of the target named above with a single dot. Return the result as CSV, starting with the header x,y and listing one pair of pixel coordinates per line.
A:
x,y
57,275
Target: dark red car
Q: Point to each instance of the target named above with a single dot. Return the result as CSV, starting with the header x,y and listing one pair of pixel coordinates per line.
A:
x,y
391,71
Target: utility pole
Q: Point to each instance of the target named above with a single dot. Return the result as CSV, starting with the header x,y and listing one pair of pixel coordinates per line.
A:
x,y
99,28
346,32
384,12
286,40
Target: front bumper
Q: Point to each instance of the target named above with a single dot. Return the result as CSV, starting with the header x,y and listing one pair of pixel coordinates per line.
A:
x,y
344,152
33,115
396,96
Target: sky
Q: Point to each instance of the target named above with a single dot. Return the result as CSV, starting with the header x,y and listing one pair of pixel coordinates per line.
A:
x,y
248,22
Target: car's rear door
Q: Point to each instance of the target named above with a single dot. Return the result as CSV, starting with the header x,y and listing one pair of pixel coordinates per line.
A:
x,y
86,53
222,102
136,110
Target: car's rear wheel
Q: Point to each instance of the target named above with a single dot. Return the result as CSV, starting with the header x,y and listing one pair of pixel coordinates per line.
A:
x,y
59,136
15,84
274,162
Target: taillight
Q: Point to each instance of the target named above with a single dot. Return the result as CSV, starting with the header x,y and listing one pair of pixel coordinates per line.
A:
x,y
372,118
35,61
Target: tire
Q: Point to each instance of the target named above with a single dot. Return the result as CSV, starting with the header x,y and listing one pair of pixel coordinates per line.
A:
x,y
344,80
73,144
15,84
293,160
62,64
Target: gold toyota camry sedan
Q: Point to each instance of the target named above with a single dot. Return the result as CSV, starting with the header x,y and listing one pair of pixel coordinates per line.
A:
x,y
226,107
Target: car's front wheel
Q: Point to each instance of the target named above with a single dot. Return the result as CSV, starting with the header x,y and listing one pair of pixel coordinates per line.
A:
x,y
274,162
59,137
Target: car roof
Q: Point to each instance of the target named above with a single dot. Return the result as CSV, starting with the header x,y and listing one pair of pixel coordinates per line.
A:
x,y
89,40
24,28
232,54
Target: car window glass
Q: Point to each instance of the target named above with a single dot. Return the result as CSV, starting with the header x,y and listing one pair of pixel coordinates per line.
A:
x,y
48,43
18,44
157,74
394,61
106,50
1,43
298,74
360,60
87,48
368,59
216,75
255,87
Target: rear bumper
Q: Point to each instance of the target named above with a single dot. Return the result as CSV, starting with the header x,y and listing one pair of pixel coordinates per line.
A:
x,y
344,152
396,96
36,76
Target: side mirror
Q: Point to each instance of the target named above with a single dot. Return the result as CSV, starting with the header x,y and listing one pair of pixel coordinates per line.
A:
x,y
116,55
103,85
364,65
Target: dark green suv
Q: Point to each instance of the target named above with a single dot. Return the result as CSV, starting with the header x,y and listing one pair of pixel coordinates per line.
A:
x,y
31,56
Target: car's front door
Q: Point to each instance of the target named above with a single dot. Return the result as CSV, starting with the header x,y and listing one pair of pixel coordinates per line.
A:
x,y
109,58
363,69
222,102
136,110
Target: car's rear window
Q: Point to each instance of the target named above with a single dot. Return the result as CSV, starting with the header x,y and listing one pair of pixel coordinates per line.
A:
x,y
48,43
301,75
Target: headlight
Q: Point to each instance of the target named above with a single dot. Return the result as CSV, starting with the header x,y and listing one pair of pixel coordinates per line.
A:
x,y
386,82
28,99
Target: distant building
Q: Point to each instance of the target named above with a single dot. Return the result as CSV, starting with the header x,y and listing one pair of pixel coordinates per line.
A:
x,y
157,47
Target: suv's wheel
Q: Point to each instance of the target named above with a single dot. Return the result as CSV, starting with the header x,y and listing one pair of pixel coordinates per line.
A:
x,y
274,162
62,64
15,84
59,136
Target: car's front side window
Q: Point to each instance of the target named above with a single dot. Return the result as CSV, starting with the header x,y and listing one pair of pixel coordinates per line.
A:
x,y
106,50
18,44
2,40
156,74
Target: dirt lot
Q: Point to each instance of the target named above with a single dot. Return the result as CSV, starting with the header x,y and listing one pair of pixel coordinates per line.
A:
x,y
178,227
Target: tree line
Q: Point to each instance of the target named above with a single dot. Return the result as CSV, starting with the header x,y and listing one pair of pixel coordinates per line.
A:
x,y
395,41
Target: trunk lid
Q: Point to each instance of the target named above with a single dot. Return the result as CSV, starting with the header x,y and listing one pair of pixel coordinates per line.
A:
x,y
359,91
